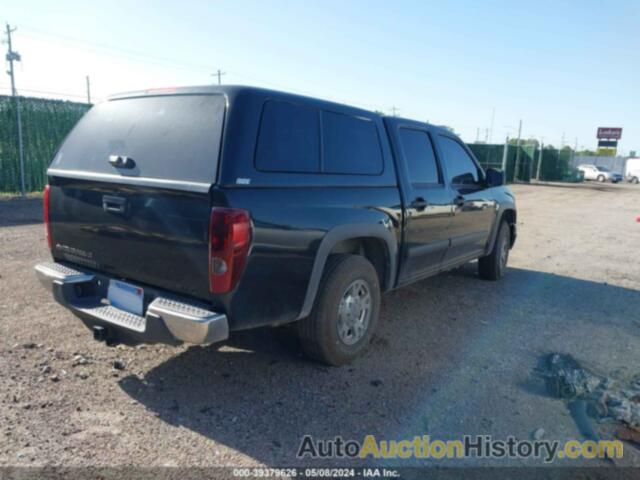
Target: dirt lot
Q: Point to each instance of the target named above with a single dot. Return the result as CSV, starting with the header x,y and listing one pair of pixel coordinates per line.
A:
x,y
454,354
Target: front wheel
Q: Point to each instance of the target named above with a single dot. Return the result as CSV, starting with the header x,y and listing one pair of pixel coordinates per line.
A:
x,y
635,180
492,266
601,178
345,313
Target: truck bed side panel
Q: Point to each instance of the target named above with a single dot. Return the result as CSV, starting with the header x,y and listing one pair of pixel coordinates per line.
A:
x,y
289,225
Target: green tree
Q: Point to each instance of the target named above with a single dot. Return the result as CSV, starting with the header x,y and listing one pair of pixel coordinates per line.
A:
x,y
587,153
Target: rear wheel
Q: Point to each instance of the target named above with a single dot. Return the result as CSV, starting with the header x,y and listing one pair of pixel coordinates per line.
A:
x,y
345,313
601,178
635,180
493,265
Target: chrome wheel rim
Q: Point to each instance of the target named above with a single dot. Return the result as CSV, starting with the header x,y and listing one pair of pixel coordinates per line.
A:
x,y
354,312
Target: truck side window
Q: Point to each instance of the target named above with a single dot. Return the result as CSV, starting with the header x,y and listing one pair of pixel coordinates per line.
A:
x,y
419,156
461,168
350,145
289,139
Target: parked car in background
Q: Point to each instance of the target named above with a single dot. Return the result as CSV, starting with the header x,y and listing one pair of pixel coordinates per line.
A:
x,y
616,177
183,215
632,170
599,174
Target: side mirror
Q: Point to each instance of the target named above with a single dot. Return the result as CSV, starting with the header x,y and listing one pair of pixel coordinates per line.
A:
x,y
494,177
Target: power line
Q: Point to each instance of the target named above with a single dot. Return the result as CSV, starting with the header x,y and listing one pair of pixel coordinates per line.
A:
x,y
158,60
100,46
50,92
142,57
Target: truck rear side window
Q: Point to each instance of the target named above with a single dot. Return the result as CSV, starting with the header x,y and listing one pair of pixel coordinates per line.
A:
x,y
350,145
419,156
289,139
174,137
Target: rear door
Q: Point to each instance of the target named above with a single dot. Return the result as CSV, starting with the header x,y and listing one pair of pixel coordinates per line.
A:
x,y
474,208
428,203
130,190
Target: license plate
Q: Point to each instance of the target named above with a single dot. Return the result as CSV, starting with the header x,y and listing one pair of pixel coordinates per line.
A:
x,y
125,296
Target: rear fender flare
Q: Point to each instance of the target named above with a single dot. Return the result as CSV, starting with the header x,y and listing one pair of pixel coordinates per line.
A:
x,y
340,234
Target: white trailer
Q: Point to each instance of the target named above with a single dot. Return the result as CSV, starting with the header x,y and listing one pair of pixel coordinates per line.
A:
x,y
632,170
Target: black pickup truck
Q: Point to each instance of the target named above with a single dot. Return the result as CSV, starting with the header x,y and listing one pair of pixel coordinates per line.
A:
x,y
181,215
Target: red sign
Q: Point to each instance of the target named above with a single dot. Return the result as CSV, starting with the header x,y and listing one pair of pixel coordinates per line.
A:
x,y
610,133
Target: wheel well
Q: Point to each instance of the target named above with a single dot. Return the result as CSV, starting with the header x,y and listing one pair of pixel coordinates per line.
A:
x,y
510,217
373,249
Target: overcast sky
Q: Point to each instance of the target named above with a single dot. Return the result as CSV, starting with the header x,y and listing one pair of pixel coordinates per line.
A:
x,y
560,66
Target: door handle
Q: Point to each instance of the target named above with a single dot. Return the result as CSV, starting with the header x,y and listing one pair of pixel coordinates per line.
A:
x,y
458,201
114,204
419,204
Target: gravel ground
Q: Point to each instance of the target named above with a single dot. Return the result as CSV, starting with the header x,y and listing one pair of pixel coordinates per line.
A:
x,y
453,354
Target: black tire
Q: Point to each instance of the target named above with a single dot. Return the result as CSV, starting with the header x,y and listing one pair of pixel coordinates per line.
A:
x,y
318,333
601,178
492,266
635,180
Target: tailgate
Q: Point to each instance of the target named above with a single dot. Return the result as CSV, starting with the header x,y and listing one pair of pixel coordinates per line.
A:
x,y
144,219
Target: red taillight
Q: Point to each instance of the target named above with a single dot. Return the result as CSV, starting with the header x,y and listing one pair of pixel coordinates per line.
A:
x,y
45,208
229,243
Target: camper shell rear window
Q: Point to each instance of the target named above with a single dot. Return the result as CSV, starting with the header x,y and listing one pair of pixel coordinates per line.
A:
x,y
173,137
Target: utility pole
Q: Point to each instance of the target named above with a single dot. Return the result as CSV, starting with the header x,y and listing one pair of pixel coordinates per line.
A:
x,y
15,57
540,160
394,111
515,168
219,74
505,152
478,135
561,147
88,90
493,117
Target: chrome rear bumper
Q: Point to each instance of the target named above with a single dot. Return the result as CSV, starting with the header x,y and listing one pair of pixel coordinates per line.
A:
x,y
167,320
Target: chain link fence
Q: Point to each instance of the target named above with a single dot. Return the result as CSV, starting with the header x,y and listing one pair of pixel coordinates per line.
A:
x,y
45,123
523,163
